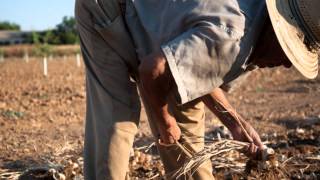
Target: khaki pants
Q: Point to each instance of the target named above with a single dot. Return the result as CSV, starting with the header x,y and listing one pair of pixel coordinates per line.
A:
x,y
113,105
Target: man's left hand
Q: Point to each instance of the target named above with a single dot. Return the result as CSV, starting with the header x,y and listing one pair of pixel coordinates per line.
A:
x,y
255,141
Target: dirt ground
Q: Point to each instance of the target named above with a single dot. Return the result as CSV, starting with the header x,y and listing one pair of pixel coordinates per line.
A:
x,y
42,118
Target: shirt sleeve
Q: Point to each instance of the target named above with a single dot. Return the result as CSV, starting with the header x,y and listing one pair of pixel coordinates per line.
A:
x,y
200,57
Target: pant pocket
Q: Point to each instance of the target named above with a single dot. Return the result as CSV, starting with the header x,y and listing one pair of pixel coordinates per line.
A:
x,y
116,35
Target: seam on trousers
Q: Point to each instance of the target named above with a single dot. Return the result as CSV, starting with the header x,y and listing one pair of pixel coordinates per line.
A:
x,y
119,129
116,128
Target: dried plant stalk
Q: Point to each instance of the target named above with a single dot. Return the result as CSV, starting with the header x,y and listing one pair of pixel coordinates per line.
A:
x,y
9,175
217,151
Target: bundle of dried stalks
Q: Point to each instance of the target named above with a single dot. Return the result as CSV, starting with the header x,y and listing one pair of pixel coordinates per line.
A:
x,y
219,151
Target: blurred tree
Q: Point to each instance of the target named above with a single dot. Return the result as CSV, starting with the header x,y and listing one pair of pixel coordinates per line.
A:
x,y
42,50
54,38
5,25
1,53
67,31
67,24
64,33
48,36
35,37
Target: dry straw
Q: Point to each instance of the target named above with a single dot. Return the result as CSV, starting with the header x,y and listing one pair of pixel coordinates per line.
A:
x,y
220,152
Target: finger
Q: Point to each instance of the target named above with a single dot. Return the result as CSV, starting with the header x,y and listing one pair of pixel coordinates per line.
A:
x,y
166,141
256,140
252,151
251,148
171,140
258,143
162,140
162,143
248,150
177,137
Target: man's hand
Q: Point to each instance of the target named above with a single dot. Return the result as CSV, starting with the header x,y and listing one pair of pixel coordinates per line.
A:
x,y
169,133
238,134
239,128
255,141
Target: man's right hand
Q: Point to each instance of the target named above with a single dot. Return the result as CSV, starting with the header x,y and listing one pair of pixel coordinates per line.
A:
x,y
170,131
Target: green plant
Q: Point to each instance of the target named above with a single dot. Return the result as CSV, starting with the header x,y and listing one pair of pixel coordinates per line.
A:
x,y
35,37
12,114
1,52
260,89
48,36
42,50
77,51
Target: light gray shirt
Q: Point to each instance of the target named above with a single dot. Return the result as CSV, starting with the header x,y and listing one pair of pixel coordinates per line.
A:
x,y
207,43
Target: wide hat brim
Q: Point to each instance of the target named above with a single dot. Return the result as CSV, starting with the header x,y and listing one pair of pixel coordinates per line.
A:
x,y
290,38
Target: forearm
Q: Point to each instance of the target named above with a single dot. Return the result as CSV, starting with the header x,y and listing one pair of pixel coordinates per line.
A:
x,y
220,106
156,84
159,106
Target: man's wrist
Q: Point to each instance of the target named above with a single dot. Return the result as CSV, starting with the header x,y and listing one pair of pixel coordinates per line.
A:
x,y
166,119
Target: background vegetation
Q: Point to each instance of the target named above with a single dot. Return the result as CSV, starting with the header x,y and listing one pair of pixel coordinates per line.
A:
x,y
5,25
64,33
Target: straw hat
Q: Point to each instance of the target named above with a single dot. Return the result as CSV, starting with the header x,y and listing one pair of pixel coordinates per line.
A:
x,y
297,26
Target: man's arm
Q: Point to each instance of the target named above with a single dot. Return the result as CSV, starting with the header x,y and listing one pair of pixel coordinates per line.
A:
x,y
197,43
157,80
156,83
239,128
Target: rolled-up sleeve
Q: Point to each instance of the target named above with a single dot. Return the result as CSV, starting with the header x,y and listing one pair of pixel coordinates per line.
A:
x,y
200,57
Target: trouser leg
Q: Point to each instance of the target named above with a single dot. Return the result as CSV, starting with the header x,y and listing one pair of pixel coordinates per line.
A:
x,y
113,106
190,118
109,133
